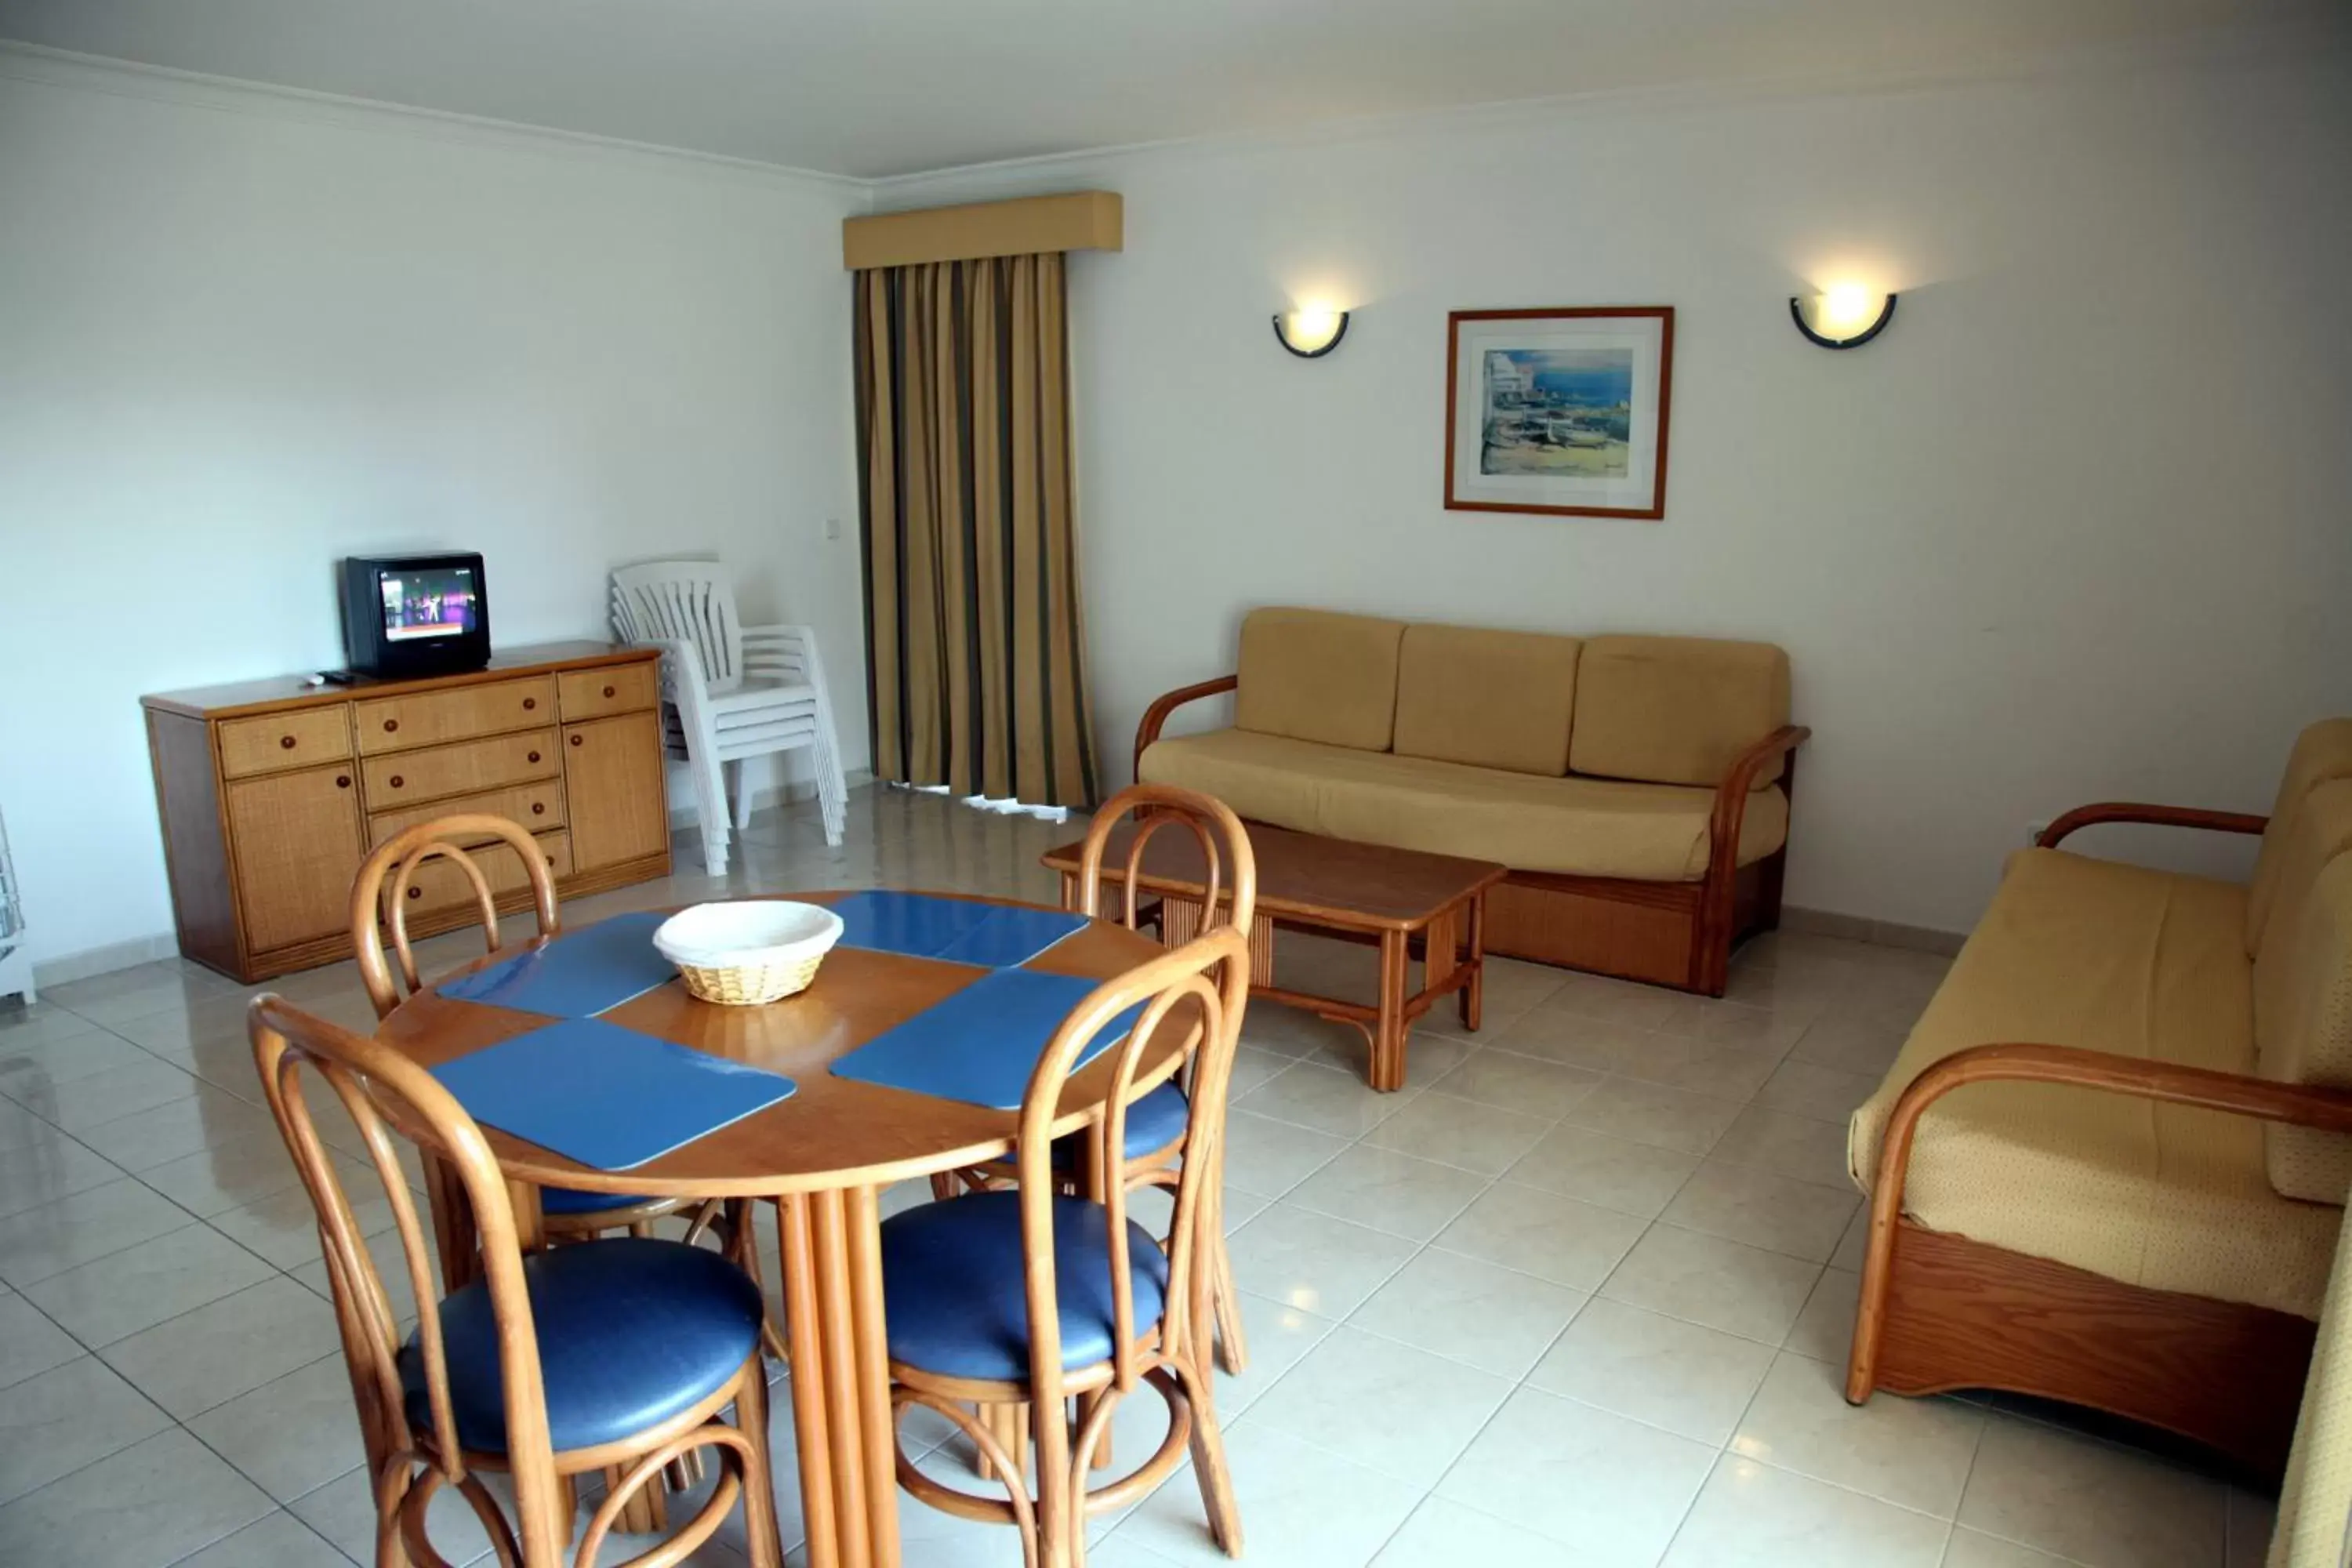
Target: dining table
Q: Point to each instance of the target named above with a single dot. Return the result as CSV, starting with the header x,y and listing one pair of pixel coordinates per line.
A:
x,y
823,1156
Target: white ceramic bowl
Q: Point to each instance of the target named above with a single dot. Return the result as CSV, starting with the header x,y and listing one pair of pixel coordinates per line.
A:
x,y
750,951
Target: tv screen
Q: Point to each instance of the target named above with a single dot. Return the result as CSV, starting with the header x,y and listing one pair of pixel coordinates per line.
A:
x,y
439,603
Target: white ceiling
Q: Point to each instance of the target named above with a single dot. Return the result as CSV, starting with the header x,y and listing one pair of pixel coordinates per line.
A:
x,y
874,88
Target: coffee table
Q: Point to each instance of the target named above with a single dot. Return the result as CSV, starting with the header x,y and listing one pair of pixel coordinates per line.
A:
x,y
1364,892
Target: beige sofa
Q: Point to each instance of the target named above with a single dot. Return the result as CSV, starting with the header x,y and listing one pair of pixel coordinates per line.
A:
x,y
2109,1164
1637,786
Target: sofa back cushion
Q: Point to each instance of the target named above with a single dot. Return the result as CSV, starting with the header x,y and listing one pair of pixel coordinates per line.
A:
x,y
1489,699
1315,675
1675,710
2322,751
2302,989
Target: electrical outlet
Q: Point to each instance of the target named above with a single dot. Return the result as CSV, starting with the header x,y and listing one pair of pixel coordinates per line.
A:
x,y
833,528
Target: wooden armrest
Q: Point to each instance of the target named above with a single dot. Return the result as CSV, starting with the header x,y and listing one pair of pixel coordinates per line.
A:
x,y
2302,1105
2161,816
1157,714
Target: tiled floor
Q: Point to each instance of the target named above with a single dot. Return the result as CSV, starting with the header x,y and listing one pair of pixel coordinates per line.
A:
x,y
1576,1296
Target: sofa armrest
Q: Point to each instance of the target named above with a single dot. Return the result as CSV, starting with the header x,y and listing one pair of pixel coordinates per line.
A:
x,y
2302,1105
2161,816
1157,714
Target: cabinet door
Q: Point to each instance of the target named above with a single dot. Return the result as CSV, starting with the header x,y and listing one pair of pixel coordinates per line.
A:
x,y
295,838
612,778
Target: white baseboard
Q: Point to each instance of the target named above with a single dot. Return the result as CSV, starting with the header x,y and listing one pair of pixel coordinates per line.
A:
x,y
67,967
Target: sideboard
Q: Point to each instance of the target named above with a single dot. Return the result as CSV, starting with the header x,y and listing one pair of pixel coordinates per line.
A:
x,y
272,792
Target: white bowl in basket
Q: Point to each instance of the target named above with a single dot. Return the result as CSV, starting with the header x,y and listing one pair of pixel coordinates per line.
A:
x,y
746,953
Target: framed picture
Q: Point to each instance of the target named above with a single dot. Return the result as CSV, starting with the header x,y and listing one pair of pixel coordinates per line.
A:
x,y
1558,411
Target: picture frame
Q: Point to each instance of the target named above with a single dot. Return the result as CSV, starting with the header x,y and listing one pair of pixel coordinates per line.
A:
x,y
1561,410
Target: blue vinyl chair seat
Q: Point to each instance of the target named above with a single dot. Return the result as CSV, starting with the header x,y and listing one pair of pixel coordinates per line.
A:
x,y
631,1332
570,1200
1154,1123
951,1273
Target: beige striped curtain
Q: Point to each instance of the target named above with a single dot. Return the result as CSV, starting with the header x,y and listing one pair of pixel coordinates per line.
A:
x,y
974,643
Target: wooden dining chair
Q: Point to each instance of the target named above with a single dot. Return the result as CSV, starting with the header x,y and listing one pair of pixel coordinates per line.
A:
x,y
617,1354
394,877
1016,1301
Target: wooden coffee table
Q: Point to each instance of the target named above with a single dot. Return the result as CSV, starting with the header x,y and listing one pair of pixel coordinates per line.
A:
x,y
1364,892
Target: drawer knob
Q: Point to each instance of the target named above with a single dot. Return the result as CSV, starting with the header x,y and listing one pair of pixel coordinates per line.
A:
x,y
342,781
529,703
608,692
397,781
287,741
539,808
532,757
390,725
579,740
415,892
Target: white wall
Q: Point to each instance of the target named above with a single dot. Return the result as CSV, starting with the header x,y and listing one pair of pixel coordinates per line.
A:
x,y
2079,526
243,336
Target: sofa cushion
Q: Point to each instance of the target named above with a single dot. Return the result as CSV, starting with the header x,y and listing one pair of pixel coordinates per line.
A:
x,y
2110,957
1488,698
2321,753
1587,827
2303,988
1675,710
1315,676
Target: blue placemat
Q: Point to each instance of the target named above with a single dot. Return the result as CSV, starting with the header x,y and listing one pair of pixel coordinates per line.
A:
x,y
576,975
980,1045
993,936
607,1097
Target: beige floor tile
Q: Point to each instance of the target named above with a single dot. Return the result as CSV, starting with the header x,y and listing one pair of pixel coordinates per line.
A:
x,y
1974,1549
2101,1505
142,1286
151,1504
1610,1490
1726,1072
1572,1039
2251,1519
1637,1179
1324,1100
1312,1261
1653,1113
82,1229
1794,1146
1741,1204
1615,1001
1497,1078
31,1343
1824,1329
1852,1043
1855,1242
127,993
43,1170
83,1104
204,1358
1768,1030
343,1512
1442,1535
23,1028
31,1063
1805,1088
1389,1408
276,1541
283,1228
1279,1335
20,1127
175,1131
1300,1507
1742,1290
1251,1069
293,1434
178,1031
1389,1191
1753,1516
1556,1239
1263,1155
1460,1132
1691,1381
1294,1032
228,1174
1914,1453
71,1415
1495,1319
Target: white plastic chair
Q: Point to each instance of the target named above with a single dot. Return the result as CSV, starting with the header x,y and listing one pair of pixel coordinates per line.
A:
x,y
729,692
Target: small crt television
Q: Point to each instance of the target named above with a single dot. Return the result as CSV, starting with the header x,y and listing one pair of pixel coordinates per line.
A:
x,y
406,616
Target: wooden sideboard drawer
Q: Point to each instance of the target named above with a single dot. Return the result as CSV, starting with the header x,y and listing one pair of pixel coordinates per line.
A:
x,y
430,718
394,780
538,806
303,738
440,885
618,688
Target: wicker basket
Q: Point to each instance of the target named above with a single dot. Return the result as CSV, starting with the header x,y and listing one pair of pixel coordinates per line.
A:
x,y
750,953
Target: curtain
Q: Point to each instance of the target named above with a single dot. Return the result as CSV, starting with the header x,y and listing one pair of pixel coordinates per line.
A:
x,y
974,643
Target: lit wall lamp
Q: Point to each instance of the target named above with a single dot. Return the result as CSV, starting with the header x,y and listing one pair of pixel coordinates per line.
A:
x,y
1312,332
1847,317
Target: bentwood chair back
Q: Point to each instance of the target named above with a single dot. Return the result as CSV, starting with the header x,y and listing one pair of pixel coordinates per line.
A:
x,y
381,896
613,1354
1028,1298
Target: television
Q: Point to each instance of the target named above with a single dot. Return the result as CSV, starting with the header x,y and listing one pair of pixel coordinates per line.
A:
x,y
407,616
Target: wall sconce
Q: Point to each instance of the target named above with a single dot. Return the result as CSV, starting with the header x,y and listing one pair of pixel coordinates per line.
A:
x,y
1847,317
1311,333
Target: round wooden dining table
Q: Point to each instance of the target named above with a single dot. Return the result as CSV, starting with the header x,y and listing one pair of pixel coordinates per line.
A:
x,y
822,1155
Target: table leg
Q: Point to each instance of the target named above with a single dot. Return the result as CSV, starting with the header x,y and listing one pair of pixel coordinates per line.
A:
x,y
455,1239
1388,1031
1473,995
841,1377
